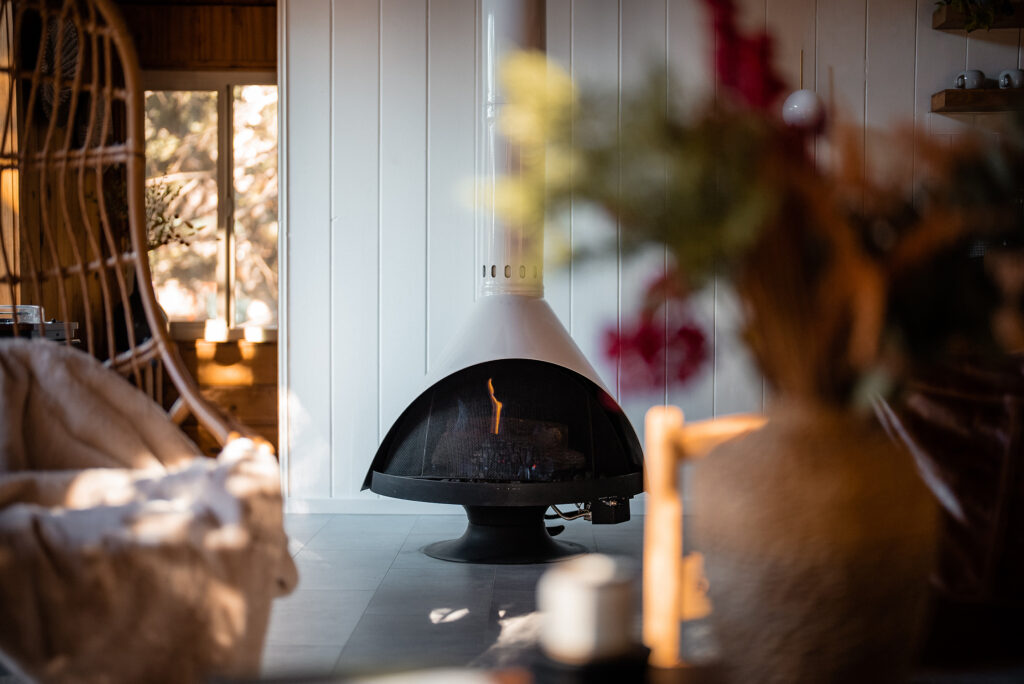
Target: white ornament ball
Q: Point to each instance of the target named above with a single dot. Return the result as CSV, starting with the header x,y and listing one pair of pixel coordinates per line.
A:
x,y
803,109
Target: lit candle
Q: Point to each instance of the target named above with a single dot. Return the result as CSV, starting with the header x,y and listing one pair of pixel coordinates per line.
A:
x,y
216,330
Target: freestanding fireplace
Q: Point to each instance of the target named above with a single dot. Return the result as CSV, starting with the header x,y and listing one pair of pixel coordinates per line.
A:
x,y
514,419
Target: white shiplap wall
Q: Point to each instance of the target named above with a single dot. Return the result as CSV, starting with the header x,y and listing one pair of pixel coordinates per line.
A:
x,y
377,142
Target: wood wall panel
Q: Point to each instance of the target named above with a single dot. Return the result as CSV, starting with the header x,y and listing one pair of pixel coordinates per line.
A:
x,y
595,283
690,59
394,79
944,54
840,60
643,39
403,206
889,88
793,25
452,275
355,249
689,53
992,51
310,286
558,233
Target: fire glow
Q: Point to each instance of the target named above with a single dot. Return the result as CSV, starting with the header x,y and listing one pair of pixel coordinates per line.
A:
x,y
497,405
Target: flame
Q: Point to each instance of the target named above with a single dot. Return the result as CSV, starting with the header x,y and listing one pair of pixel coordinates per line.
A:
x,y
497,405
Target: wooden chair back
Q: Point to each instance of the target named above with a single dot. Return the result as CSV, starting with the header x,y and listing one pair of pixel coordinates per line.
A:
x,y
73,236
674,586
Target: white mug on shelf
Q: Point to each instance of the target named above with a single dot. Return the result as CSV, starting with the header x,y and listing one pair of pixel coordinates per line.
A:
x,y
1011,78
970,79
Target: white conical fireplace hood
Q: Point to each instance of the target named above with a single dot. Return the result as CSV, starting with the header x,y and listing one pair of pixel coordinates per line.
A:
x,y
510,320
512,326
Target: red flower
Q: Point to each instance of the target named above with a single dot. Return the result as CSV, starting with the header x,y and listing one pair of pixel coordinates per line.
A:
x,y
662,345
743,64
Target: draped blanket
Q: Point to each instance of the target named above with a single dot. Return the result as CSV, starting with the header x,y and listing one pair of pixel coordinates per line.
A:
x,y
124,554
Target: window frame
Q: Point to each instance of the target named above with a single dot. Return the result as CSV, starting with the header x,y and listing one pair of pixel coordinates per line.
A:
x,y
223,82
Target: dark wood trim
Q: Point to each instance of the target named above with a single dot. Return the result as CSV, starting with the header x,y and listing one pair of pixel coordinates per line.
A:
x,y
197,36
211,3
984,100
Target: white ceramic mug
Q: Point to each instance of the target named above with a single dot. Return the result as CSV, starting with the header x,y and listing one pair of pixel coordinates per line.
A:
x,y
970,79
1011,78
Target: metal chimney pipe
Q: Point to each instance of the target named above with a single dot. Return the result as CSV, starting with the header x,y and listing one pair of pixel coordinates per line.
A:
x,y
511,258
511,319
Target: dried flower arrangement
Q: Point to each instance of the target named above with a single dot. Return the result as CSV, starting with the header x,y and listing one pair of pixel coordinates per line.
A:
x,y
163,226
845,283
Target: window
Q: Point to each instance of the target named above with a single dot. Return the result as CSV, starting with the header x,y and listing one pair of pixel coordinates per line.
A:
x,y
211,175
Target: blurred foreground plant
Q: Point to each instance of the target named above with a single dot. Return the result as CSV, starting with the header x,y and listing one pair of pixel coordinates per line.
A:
x,y
845,284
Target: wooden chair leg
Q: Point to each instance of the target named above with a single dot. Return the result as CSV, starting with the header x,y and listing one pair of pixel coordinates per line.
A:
x,y
663,537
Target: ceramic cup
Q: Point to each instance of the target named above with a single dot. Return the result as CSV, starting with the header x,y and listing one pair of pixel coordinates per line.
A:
x,y
1011,78
970,79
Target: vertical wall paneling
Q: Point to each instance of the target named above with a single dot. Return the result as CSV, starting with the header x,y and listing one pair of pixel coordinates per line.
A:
x,y
309,286
595,284
689,53
354,245
738,384
889,90
403,206
283,377
992,51
451,269
839,62
751,15
378,127
690,61
940,55
642,29
558,233
793,25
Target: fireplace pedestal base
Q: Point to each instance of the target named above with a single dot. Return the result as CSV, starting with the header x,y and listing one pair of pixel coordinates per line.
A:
x,y
506,535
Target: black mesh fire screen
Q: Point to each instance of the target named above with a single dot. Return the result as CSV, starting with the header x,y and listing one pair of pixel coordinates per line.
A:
x,y
512,420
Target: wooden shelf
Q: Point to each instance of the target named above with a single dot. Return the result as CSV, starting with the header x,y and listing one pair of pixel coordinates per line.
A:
x,y
948,19
982,100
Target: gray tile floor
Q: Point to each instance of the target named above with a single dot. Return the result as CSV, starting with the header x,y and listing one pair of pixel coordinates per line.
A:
x,y
369,600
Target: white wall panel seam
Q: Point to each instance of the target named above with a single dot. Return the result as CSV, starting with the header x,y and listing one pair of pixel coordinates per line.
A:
x,y
380,205
330,239
664,254
619,190
283,419
426,191
572,196
477,205
916,127
380,209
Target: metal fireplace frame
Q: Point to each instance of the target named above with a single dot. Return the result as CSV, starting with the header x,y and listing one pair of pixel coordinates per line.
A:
x,y
511,320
